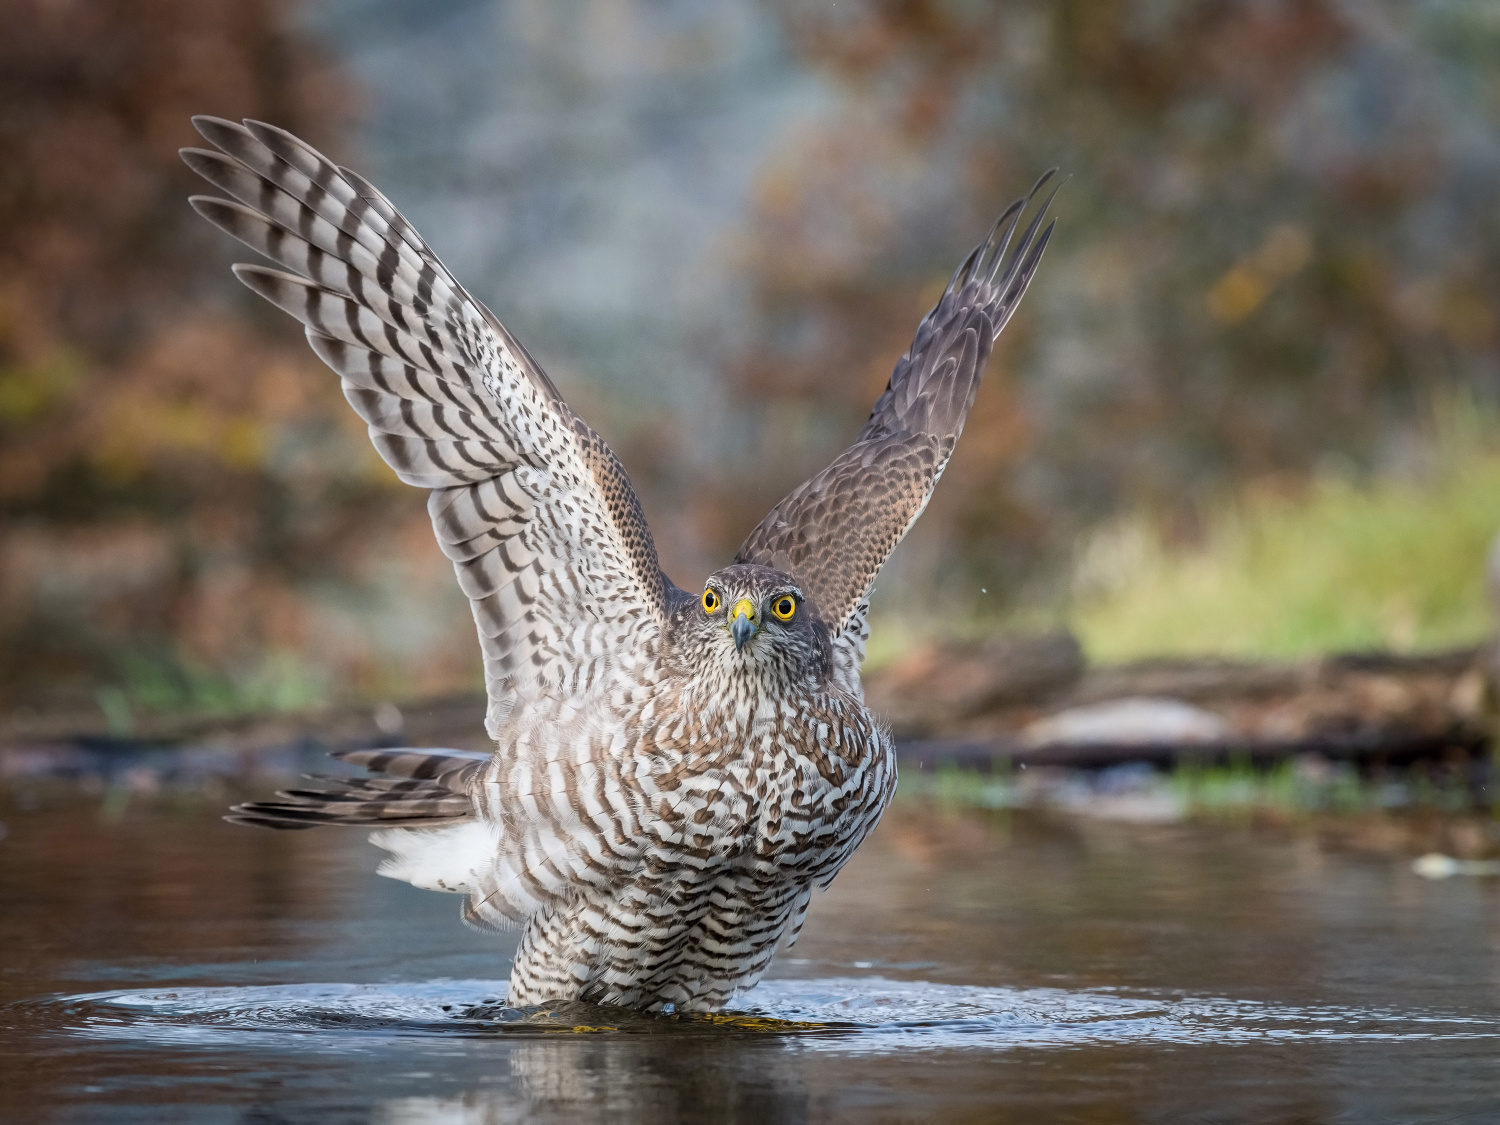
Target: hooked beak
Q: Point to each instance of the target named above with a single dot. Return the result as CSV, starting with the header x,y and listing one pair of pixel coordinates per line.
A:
x,y
743,626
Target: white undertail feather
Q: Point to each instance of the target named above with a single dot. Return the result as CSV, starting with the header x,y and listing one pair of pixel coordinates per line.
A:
x,y
457,858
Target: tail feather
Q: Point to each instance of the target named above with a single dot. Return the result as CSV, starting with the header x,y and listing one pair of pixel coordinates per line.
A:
x,y
420,765
427,788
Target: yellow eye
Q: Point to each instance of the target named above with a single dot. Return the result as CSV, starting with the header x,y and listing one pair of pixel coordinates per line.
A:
x,y
710,601
783,607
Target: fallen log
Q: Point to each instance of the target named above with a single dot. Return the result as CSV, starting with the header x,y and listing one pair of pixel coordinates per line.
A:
x,y
1369,708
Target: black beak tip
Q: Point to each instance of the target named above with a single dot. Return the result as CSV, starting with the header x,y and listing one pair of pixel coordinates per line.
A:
x,y
742,630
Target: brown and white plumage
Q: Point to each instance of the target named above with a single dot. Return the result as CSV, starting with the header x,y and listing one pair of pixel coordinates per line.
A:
x,y
836,530
673,775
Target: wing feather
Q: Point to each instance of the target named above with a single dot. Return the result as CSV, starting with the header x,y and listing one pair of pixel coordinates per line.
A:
x,y
426,789
545,532
834,531
374,372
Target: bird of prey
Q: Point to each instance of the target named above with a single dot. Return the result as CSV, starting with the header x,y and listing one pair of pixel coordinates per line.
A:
x,y
674,773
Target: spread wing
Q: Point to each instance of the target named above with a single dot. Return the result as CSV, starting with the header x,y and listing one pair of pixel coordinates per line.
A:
x,y
544,530
834,532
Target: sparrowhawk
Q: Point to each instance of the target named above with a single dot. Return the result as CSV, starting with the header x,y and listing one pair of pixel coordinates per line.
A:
x,y
674,773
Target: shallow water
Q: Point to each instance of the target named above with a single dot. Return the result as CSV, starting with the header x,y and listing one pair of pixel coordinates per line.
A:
x,y
970,965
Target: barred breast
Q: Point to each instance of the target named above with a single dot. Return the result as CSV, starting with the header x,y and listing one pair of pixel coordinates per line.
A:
x,y
703,843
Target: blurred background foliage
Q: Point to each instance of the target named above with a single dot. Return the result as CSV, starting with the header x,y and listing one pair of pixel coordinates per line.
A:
x,y
1249,405
1284,568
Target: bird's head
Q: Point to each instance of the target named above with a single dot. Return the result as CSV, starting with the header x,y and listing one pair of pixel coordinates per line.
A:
x,y
758,619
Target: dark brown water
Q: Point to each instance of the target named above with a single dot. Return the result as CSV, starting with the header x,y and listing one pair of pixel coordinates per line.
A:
x,y
970,965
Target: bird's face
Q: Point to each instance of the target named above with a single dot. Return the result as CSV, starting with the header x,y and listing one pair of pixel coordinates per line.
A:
x,y
756,618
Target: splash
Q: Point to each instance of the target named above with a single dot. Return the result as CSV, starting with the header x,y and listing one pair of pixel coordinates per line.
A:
x,y
848,1015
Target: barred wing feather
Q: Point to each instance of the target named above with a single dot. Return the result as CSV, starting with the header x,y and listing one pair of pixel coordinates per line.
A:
x,y
545,532
835,530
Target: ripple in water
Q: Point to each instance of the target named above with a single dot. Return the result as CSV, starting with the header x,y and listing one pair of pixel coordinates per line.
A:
x,y
847,1014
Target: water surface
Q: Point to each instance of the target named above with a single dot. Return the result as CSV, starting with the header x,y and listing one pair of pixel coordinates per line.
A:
x,y
969,965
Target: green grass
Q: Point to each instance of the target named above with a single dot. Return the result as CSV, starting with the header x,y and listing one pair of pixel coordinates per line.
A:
x,y
158,683
1204,792
1337,566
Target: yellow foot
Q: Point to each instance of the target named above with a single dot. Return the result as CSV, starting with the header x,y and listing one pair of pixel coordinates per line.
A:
x,y
749,1023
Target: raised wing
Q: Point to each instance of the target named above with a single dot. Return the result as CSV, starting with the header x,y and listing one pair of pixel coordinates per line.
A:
x,y
544,530
834,532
